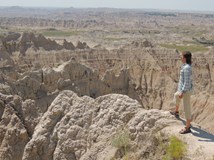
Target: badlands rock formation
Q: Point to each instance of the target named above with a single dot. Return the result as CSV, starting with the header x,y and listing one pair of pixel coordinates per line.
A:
x,y
145,73
5,59
65,100
75,127
21,43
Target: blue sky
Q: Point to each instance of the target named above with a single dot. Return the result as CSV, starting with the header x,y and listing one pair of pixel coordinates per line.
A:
x,y
203,5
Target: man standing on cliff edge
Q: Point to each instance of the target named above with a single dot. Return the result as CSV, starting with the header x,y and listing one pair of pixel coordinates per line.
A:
x,y
184,90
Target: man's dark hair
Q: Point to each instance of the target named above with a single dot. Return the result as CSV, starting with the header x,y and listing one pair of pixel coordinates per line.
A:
x,y
188,56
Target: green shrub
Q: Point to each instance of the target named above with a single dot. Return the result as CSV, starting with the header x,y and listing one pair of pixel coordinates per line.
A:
x,y
175,150
121,139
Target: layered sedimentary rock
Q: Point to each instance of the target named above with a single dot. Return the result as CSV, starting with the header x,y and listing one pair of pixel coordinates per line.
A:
x,y
5,59
21,43
56,98
13,134
72,127
148,74
83,128
80,128
76,127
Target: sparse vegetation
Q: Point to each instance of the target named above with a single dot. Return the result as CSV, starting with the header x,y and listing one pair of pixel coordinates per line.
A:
x,y
190,43
121,140
51,32
191,48
161,14
175,150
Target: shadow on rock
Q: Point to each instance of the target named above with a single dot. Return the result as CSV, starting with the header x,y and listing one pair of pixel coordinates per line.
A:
x,y
198,132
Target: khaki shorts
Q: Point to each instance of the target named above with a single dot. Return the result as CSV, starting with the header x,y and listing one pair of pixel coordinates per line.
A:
x,y
186,103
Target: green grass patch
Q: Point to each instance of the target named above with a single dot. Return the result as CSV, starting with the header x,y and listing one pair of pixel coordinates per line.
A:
x,y
191,48
59,33
175,150
187,31
190,43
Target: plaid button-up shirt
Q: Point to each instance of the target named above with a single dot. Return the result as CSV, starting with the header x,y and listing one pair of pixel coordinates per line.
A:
x,y
185,81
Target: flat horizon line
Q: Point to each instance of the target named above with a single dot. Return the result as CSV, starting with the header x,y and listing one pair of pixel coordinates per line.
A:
x,y
115,8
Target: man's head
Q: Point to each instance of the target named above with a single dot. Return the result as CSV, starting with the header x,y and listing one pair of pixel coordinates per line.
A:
x,y
186,57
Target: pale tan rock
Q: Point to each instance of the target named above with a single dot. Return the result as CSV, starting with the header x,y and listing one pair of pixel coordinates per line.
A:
x,y
13,134
5,59
29,88
50,78
82,128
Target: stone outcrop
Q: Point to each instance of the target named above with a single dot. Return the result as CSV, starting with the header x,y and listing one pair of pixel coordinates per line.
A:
x,y
80,45
73,128
145,43
28,40
47,44
18,119
9,42
147,74
30,85
76,127
13,134
5,59
68,45
60,100
151,77
70,76
11,36
7,65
